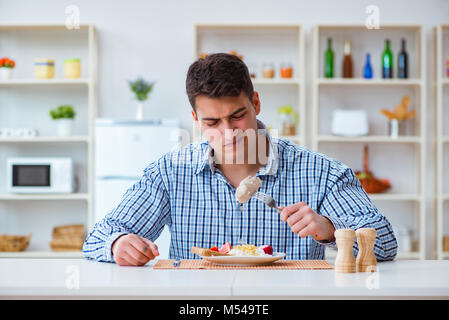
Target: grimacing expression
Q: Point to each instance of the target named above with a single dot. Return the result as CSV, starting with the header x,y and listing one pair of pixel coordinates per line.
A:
x,y
224,121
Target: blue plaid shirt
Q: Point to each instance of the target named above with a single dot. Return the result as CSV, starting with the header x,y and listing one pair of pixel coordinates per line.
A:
x,y
184,190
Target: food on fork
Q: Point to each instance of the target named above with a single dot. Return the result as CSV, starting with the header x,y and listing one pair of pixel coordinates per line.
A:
x,y
247,188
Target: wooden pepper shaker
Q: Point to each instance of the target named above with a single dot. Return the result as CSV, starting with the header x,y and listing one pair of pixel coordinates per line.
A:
x,y
366,260
344,261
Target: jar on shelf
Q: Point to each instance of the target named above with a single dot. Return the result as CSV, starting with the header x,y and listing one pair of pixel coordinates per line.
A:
x,y
286,70
287,119
44,68
252,70
72,68
268,70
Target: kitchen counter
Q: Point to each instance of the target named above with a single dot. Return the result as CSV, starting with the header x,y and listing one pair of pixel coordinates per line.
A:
x,y
81,278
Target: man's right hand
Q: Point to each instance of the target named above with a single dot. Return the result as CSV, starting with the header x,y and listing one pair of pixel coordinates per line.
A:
x,y
132,250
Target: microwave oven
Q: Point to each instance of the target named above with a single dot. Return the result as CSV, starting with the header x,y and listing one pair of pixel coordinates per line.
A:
x,y
39,175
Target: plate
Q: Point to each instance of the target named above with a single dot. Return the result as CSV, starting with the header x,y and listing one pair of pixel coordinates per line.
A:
x,y
246,260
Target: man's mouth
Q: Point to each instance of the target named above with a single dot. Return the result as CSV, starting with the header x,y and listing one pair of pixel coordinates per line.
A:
x,y
234,142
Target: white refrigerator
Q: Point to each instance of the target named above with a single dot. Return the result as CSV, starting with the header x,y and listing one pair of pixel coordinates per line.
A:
x,y
123,149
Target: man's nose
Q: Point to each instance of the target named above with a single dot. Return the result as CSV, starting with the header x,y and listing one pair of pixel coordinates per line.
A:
x,y
227,129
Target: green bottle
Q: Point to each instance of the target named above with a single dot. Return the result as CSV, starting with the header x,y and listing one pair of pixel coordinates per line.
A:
x,y
329,60
387,61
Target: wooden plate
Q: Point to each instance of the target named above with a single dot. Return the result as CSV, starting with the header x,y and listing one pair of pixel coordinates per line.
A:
x,y
245,261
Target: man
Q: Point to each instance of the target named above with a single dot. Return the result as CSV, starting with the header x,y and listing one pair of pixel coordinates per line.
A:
x,y
192,190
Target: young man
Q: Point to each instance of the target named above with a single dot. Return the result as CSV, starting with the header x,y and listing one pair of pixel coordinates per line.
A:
x,y
193,190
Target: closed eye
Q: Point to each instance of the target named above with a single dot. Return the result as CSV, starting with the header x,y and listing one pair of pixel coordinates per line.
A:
x,y
239,116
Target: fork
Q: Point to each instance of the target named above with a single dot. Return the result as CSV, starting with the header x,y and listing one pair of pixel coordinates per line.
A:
x,y
269,201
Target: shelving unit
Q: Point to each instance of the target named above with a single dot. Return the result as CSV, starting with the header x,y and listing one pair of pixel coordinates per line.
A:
x,y
342,93
441,34
260,43
39,213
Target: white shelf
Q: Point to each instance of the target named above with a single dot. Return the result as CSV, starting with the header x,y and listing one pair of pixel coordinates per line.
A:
x,y
370,82
276,81
383,26
32,82
48,139
42,254
21,197
32,26
321,99
370,139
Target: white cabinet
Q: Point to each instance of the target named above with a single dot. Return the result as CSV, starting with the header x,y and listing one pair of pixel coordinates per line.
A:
x,y
25,102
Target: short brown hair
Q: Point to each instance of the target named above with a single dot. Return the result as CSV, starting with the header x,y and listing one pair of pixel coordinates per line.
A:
x,y
218,75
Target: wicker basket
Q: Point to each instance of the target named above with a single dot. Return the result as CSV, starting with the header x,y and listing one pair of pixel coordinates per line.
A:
x,y
69,230
68,238
14,243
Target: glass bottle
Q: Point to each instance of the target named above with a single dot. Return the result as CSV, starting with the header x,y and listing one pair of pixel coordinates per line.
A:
x,y
387,61
403,62
329,60
347,60
368,69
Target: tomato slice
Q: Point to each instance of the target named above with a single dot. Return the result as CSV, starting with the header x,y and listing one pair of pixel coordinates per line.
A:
x,y
214,249
226,247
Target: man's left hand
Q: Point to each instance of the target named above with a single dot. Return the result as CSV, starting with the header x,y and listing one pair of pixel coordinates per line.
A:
x,y
306,222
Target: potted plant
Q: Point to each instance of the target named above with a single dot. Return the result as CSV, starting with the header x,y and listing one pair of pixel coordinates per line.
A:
x,y
6,66
141,89
64,116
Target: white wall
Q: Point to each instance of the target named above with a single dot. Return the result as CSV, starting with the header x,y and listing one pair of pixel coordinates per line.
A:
x,y
154,39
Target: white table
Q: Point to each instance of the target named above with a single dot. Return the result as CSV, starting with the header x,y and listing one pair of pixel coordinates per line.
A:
x,y
81,278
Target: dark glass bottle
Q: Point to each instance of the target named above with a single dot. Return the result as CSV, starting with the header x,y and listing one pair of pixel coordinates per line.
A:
x,y
403,62
387,61
329,60
347,60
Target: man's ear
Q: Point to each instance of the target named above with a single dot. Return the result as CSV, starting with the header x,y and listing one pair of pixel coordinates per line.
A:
x,y
195,119
256,102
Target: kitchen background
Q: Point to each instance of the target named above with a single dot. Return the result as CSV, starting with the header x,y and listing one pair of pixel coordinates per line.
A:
x,y
157,40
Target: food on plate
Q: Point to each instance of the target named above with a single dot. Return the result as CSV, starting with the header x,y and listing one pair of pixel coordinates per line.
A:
x,y
203,252
252,250
245,250
225,248
239,251
247,188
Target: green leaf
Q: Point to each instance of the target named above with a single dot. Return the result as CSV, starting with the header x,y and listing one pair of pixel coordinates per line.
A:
x,y
141,88
63,112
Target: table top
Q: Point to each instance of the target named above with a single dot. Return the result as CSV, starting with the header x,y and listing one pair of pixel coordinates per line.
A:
x,y
81,278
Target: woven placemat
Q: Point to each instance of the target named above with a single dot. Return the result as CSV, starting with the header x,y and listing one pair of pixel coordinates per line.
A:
x,y
278,265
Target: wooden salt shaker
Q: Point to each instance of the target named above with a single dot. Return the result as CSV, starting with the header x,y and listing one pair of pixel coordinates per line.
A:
x,y
366,260
344,261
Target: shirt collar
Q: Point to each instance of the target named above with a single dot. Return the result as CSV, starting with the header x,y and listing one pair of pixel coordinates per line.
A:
x,y
270,168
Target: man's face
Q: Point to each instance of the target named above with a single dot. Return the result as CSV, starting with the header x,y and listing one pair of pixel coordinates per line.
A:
x,y
226,121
